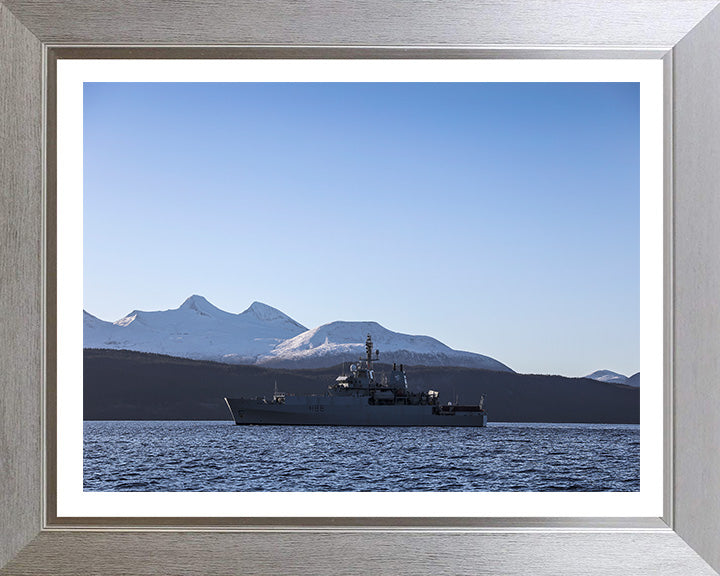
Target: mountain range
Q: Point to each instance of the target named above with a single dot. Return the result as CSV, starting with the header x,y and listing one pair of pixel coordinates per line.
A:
x,y
615,378
266,336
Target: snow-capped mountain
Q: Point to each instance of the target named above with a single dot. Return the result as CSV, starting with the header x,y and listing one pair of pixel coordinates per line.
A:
x,y
265,335
614,377
197,330
338,342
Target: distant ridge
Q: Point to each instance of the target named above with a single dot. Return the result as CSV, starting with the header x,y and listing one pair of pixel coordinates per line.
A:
x,y
634,380
614,377
264,335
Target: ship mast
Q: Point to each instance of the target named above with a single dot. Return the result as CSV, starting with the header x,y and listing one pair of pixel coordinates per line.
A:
x,y
368,350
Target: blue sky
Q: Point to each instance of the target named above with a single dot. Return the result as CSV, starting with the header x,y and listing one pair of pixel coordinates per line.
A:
x,y
499,218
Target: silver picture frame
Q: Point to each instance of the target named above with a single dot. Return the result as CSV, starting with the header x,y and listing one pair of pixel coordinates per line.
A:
x,y
685,34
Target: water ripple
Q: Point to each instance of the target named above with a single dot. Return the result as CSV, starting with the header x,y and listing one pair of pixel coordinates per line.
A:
x,y
221,457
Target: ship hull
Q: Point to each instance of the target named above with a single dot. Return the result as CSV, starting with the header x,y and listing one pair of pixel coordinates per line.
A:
x,y
346,411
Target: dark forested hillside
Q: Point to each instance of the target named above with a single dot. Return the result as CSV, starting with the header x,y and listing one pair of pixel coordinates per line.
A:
x,y
124,385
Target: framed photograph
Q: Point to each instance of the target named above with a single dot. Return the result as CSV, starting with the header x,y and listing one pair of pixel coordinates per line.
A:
x,y
624,119
412,159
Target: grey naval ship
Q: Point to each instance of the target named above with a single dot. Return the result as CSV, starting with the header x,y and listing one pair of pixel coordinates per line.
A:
x,y
358,399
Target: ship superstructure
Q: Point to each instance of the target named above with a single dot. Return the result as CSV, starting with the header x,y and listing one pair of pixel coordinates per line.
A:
x,y
359,399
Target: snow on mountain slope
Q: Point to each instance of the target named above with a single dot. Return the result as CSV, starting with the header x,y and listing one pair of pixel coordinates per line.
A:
x,y
93,322
338,342
196,329
610,376
264,335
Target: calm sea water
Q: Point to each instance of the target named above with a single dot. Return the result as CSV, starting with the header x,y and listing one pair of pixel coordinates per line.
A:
x,y
219,456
